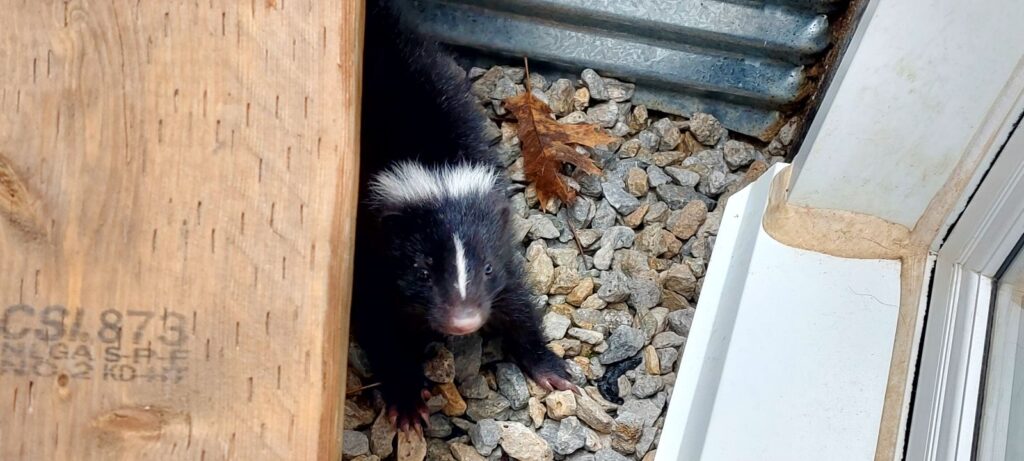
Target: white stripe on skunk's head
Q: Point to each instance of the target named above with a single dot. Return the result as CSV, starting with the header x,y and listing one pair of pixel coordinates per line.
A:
x,y
410,183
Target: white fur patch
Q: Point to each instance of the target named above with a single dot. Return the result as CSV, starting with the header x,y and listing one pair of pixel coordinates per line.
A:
x,y
411,182
460,266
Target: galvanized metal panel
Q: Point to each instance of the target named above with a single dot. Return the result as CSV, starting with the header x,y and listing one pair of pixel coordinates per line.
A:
x,y
743,62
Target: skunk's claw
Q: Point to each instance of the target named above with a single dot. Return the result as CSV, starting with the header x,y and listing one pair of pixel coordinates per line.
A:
x,y
551,381
411,414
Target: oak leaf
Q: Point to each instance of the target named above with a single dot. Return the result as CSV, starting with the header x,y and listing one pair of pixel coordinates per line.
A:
x,y
547,145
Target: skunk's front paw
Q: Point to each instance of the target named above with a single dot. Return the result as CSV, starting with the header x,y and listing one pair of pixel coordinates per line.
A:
x,y
551,374
409,412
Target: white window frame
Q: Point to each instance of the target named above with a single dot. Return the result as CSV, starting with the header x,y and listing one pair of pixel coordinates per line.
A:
x,y
953,349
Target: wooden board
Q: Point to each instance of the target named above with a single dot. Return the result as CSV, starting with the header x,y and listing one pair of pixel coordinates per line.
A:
x,y
177,205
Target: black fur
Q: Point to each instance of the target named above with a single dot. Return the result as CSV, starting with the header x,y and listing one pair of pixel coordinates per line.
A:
x,y
417,106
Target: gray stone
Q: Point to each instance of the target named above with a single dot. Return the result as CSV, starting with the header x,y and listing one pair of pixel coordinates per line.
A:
x,y
677,197
593,414
682,176
614,318
593,302
576,373
560,96
623,343
537,81
516,74
541,227
656,176
382,436
614,238
614,287
582,211
667,359
484,86
437,450
573,118
679,321
605,215
540,270
589,237
485,436
668,132
715,183
647,438
657,213
668,339
633,263
706,128
590,319
648,409
738,154
607,454
587,336
590,185
654,322
505,88
468,352
440,426
358,413
522,443
460,423
474,387
463,452
619,91
595,84
646,385
564,256
554,325
566,437
354,443
495,406
705,161
604,115
616,195
475,73
512,383
436,403
644,293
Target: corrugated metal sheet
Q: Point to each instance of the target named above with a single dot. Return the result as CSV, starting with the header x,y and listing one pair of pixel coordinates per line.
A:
x,y
744,62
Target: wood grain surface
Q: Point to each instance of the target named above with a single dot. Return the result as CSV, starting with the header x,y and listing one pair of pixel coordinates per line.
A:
x,y
177,206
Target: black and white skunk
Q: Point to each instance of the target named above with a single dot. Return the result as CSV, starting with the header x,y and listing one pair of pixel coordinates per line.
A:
x,y
434,253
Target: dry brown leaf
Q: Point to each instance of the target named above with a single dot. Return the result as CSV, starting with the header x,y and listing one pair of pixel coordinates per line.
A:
x,y
547,145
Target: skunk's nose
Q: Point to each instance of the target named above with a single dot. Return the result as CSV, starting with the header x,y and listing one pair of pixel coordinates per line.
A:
x,y
463,320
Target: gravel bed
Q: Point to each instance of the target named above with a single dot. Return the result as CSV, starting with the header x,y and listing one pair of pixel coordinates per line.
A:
x,y
619,313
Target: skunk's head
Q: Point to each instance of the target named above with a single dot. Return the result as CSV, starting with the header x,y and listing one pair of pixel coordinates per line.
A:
x,y
450,244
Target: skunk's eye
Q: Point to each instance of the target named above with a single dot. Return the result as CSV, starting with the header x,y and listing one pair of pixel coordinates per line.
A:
x,y
488,269
424,274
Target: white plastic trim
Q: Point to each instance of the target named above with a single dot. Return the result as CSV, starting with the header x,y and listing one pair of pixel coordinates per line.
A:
x,y
788,355
923,78
952,359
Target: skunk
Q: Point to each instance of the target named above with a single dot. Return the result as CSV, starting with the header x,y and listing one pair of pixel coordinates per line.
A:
x,y
434,251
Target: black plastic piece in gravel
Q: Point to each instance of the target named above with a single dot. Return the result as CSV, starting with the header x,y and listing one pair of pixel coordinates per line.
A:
x,y
608,385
